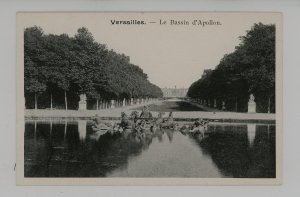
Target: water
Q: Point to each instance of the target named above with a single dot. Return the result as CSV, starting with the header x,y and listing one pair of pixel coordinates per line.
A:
x,y
72,149
173,106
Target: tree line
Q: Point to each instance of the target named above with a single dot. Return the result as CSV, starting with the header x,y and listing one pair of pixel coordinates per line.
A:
x,y
250,69
58,68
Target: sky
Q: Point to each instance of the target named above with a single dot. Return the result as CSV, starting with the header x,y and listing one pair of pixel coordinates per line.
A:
x,y
171,55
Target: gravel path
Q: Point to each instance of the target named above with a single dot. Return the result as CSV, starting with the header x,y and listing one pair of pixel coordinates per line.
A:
x,y
155,105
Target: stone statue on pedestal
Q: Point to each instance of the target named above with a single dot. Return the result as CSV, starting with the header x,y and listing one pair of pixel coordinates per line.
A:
x,y
131,101
82,102
112,104
251,104
223,105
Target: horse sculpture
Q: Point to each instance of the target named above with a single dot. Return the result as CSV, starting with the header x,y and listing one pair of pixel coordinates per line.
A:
x,y
156,123
169,122
198,128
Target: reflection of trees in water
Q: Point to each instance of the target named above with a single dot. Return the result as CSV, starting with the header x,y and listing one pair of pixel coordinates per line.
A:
x,y
34,149
65,155
263,152
230,150
51,150
97,158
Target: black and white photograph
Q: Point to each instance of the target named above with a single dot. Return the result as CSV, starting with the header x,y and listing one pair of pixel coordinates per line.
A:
x,y
149,98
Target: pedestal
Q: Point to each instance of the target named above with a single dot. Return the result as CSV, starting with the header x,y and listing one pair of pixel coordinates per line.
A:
x,y
251,107
82,105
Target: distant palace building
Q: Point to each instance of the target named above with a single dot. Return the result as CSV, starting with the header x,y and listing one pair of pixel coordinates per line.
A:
x,y
174,92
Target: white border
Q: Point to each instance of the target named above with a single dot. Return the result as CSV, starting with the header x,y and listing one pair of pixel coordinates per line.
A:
x,y
21,180
291,94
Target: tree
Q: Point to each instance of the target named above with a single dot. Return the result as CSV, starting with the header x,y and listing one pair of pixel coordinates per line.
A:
x,y
34,81
250,69
80,65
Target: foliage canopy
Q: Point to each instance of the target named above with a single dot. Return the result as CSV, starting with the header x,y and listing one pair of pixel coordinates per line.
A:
x,y
250,69
79,64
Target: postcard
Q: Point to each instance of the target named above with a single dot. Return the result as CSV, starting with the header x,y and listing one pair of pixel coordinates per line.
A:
x,y
149,98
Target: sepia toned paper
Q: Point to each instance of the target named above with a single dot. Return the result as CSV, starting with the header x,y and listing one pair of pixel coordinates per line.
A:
x,y
173,49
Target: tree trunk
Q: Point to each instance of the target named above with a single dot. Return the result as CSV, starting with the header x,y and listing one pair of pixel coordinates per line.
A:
x,y
66,102
97,104
35,101
51,107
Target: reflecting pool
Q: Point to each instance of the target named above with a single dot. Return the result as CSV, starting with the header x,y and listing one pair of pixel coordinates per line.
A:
x,y
73,149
